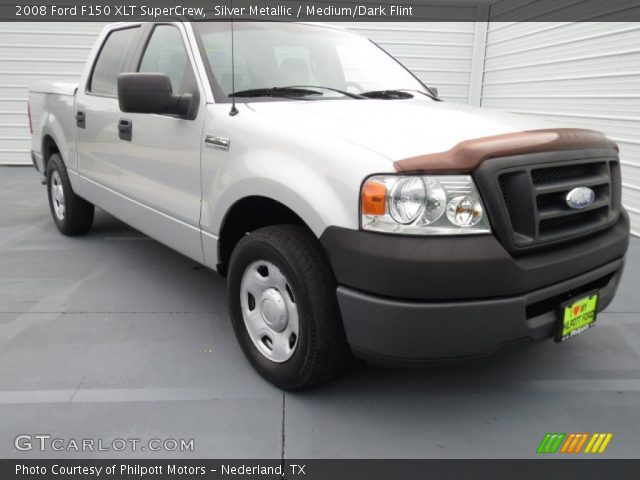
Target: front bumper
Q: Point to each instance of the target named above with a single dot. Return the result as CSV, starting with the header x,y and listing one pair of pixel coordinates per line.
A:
x,y
412,299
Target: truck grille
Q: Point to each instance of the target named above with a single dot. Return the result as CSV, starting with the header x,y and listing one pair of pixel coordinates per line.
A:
x,y
526,197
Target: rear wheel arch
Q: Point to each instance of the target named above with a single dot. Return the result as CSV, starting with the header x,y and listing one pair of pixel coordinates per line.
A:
x,y
49,147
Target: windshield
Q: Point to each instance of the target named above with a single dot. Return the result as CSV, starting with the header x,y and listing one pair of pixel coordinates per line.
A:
x,y
272,55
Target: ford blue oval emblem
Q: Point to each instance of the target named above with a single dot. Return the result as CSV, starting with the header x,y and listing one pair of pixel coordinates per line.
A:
x,y
580,197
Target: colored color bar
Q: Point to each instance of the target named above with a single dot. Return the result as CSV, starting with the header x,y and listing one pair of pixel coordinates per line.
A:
x,y
597,443
551,442
576,439
542,448
591,442
583,439
567,443
605,443
574,442
556,442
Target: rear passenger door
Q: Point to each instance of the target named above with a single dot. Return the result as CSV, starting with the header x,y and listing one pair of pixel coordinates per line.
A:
x,y
97,111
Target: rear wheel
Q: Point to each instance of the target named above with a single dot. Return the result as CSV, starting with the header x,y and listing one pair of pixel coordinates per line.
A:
x,y
283,307
71,214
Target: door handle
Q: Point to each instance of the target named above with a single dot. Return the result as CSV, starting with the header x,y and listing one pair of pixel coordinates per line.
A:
x,y
125,130
80,120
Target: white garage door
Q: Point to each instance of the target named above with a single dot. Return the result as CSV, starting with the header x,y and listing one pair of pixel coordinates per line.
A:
x,y
30,52
578,74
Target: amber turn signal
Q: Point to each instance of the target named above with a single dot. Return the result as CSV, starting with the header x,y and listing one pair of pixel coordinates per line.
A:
x,y
374,198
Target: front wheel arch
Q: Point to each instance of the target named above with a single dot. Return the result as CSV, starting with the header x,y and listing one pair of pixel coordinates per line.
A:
x,y
247,215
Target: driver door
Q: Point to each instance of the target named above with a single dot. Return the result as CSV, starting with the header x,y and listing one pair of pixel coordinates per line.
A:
x,y
161,165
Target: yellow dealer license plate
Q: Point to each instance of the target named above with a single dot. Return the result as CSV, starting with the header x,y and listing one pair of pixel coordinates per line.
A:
x,y
577,316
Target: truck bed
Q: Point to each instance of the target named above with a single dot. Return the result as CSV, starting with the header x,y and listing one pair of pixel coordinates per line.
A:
x,y
51,107
57,88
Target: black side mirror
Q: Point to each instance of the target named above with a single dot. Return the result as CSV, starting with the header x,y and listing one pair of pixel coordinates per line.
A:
x,y
434,90
151,93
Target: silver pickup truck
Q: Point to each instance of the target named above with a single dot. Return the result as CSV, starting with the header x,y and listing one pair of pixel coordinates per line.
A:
x,y
351,210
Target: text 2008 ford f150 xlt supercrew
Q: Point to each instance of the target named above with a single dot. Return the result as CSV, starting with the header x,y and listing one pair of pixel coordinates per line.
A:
x,y
350,208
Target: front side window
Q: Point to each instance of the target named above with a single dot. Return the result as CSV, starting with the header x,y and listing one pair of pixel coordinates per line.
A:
x,y
112,60
270,54
166,53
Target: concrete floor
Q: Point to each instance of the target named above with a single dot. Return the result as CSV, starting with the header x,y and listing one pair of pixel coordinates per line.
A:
x,y
113,335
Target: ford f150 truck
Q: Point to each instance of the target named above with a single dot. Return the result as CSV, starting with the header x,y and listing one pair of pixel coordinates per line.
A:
x,y
350,209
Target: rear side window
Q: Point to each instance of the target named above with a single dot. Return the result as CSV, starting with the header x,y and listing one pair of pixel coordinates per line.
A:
x,y
111,61
166,53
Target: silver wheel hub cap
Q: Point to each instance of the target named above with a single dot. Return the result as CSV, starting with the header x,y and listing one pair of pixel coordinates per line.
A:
x,y
269,311
57,195
274,310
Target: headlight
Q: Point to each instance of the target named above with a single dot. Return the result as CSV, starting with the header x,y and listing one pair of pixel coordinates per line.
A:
x,y
407,199
422,205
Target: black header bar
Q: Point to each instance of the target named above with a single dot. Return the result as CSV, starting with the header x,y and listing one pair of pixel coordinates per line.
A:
x,y
584,469
322,10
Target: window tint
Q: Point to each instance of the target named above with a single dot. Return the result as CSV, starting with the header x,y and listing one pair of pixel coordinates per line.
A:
x,y
166,53
111,61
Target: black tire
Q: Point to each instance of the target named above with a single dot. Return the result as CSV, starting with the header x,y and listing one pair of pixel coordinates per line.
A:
x,y
322,351
77,218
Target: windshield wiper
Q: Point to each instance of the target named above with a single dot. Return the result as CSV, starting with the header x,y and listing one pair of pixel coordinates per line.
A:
x,y
307,90
399,94
291,92
387,94
342,92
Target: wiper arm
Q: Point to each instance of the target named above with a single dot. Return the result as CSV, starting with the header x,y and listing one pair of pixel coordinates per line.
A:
x,y
275,92
429,93
387,94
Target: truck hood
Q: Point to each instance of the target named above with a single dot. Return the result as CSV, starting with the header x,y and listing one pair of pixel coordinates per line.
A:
x,y
396,129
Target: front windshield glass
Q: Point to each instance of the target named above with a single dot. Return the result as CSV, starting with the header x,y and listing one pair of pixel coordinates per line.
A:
x,y
273,55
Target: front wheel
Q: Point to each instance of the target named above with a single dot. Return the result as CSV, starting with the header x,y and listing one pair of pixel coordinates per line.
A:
x,y
283,306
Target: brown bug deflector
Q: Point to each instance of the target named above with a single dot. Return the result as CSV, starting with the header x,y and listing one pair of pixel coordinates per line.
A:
x,y
468,155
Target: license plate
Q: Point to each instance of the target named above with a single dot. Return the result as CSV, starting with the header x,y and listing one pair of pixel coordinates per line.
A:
x,y
576,316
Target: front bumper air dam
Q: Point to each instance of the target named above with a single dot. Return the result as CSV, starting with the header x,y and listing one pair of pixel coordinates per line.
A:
x,y
440,268
421,298
383,329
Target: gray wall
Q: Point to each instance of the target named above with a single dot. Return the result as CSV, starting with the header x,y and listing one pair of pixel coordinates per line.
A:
x,y
30,52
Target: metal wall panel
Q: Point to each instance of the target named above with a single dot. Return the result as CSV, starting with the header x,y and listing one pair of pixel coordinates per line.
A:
x,y
573,74
31,52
